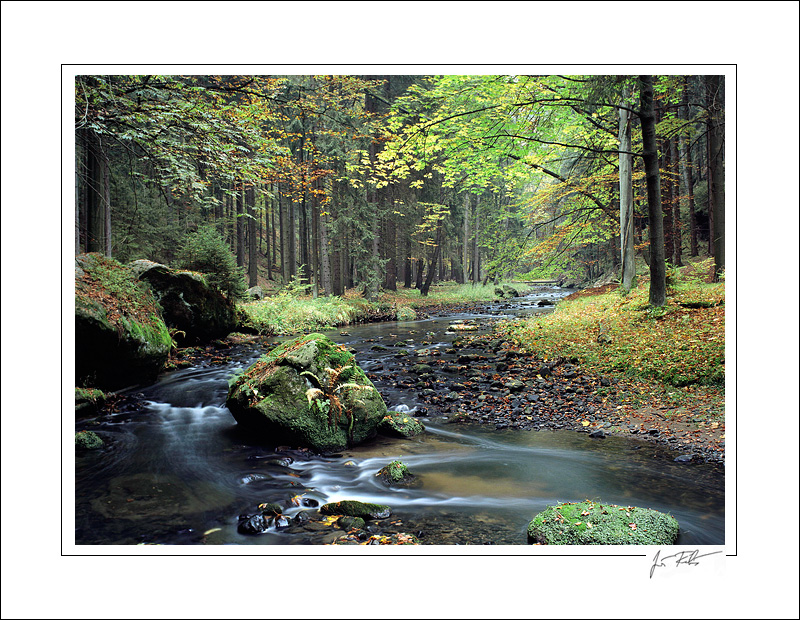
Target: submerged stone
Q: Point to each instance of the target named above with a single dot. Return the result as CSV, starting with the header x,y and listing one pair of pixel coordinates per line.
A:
x,y
307,392
590,523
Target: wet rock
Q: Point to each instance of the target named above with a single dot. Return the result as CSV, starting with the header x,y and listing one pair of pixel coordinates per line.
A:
x,y
354,508
396,474
514,385
350,523
399,424
421,369
598,434
253,524
684,458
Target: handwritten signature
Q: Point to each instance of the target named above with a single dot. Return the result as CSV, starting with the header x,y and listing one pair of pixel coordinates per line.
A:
x,y
685,558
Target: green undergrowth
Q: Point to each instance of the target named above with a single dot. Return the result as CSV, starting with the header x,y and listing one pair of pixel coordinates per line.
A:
x,y
286,314
680,344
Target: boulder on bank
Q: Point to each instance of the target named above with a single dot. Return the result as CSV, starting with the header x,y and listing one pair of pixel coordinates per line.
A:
x,y
506,291
591,523
307,392
197,311
255,293
120,338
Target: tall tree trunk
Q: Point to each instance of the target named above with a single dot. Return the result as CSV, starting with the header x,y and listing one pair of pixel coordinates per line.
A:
x,y
476,250
239,225
658,285
666,204
626,200
677,259
687,170
252,241
717,170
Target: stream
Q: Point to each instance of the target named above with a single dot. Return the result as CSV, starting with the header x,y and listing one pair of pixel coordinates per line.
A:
x,y
176,468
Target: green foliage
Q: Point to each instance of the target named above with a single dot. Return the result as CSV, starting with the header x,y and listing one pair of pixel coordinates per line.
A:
x,y
205,251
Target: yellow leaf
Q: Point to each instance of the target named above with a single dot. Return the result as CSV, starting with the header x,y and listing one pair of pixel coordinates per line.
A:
x,y
585,422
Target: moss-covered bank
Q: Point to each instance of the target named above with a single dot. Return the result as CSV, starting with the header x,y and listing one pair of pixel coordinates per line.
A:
x,y
591,523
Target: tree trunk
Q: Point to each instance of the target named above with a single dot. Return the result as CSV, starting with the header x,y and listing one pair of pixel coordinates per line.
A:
x,y
476,250
658,285
676,206
626,200
240,226
717,170
432,266
252,241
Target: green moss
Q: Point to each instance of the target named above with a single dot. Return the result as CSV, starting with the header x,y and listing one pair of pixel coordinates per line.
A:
x,y
398,424
590,523
87,440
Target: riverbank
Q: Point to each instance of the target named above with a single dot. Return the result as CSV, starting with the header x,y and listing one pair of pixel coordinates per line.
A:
x,y
285,314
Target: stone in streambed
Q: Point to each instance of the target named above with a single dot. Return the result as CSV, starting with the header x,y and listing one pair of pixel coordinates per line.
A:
x,y
354,508
308,392
399,424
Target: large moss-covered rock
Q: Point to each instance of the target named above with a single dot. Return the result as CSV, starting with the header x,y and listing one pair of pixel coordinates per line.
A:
x,y
308,392
120,337
590,523
197,311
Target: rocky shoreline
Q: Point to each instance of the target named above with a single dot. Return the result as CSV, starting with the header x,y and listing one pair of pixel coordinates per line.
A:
x,y
487,381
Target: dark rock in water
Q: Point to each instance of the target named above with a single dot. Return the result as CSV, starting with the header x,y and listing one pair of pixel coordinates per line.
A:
x,y
253,524
87,440
399,424
354,508
120,336
396,473
421,369
591,523
545,302
350,523
684,458
304,516
598,434
270,509
308,392
197,311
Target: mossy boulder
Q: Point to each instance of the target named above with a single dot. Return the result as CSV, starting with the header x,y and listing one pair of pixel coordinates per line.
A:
x,y
396,474
120,337
399,424
88,400
307,392
404,313
87,440
591,523
197,311
353,508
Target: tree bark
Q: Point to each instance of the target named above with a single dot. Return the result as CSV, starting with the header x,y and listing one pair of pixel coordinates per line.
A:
x,y
717,170
658,285
239,225
626,200
252,241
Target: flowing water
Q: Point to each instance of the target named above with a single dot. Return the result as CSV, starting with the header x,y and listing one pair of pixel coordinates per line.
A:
x,y
178,470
